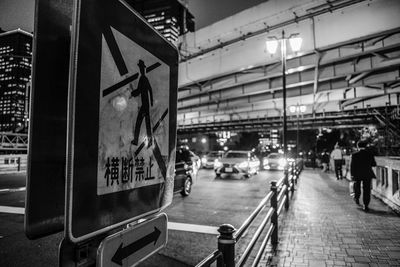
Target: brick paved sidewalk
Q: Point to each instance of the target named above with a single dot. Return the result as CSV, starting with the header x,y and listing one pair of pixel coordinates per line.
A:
x,y
324,227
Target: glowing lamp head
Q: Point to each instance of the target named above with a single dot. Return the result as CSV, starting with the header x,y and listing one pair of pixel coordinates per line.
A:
x,y
295,43
272,46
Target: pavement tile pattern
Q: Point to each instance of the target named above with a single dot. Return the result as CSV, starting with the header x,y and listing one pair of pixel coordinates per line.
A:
x,y
325,227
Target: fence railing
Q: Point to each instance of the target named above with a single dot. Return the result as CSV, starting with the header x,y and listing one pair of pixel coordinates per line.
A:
x,y
278,197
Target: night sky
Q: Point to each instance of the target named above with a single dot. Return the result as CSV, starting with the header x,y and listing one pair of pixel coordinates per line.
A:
x,y
19,13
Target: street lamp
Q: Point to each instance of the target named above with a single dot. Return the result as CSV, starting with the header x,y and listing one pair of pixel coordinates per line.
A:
x,y
272,45
297,109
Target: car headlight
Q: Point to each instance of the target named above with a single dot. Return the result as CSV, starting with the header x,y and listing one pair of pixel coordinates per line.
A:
x,y
217,163
282,162
243,165
266,161
204,160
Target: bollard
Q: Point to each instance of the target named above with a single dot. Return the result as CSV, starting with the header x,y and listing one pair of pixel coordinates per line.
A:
x,y
226,244
293,181
293,164
286,181
274,218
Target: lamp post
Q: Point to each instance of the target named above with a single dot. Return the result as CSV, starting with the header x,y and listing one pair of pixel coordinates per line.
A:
x,y
298,109
272,45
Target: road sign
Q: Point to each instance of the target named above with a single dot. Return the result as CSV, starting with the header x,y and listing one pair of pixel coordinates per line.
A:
x,y
135,244
122,126
45,198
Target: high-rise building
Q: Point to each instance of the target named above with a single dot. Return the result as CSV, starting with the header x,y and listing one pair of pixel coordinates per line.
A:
x,y
170,17
15,77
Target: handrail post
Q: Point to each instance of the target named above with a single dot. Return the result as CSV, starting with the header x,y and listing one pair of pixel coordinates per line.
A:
x,y
286,182
226,244
293,179
274,217
292,169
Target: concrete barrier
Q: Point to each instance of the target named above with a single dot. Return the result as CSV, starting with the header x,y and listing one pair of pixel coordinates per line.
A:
x,y
13,163
387,182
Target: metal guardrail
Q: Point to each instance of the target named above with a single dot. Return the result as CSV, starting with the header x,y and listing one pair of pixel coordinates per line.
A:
x,y
278,198
13,142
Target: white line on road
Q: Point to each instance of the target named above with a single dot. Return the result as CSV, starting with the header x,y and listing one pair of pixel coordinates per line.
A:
x,y
185,227
11,190
15,210
204,229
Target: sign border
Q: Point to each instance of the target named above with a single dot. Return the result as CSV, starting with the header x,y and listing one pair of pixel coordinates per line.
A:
x,y
71,146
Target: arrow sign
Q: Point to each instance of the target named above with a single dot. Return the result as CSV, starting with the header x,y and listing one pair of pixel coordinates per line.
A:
x,y
134,244
125,252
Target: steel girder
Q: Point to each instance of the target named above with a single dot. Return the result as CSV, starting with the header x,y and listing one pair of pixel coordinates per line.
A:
x,y
355,72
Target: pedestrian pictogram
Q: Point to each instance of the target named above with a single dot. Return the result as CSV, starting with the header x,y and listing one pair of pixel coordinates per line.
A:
x,y
145,91
122,121
132,127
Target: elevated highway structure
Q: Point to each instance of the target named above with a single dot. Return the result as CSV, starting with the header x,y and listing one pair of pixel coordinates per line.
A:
x,y
346,74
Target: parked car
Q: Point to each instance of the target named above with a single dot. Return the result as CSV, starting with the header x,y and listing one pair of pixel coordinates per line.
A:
x,y
184,174
207,161
274,161
238,162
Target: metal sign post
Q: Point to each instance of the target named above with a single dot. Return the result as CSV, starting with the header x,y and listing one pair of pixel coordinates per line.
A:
x,y
121,121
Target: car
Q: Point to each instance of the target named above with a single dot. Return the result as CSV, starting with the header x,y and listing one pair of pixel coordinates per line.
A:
x,y
274,161
207,161
184,174
239,162
196,161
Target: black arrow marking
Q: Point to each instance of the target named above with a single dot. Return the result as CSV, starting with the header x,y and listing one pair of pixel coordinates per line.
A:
x,y
125,252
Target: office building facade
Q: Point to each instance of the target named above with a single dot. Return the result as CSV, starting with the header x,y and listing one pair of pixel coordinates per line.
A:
x,y
15,77
170,17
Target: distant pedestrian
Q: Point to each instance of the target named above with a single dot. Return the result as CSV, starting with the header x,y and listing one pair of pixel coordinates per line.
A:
x,y
313,158
361,171
325,160
337,157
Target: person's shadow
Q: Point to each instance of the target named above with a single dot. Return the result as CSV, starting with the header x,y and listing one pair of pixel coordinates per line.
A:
x,y
382,213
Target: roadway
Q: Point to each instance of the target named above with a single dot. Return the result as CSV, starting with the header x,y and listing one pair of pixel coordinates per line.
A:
x,y
193,220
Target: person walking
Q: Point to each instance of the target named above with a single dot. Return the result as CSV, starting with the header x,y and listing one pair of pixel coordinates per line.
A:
x,y
337,157
361,165
325,161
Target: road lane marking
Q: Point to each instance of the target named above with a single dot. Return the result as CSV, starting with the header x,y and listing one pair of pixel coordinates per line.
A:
x,y
11,190
195,228
14,210
185,227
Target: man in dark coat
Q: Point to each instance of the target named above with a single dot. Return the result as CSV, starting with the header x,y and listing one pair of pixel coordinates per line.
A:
x,y
361,171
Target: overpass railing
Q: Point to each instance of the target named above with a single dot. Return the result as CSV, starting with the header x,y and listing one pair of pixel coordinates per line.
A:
x,y
278,197
13,142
